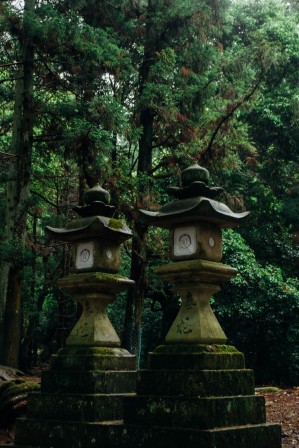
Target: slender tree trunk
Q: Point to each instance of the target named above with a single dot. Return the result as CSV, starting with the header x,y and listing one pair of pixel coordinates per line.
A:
x,y
25,358
18,191
133,318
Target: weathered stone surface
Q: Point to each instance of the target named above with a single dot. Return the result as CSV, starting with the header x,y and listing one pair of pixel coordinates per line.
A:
x,y
76,407
94,291
196,323
88,382
198,413
9,373
13,399
61,434
93,358
197,383
196,281
101,254
196,270
249,436
57,434
196,357
90,228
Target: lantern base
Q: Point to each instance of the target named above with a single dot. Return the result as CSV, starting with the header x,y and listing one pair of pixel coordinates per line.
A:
x,y
195,395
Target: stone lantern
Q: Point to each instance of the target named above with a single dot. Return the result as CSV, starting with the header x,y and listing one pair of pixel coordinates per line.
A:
x,y
84,388
196,390
96,239
195,221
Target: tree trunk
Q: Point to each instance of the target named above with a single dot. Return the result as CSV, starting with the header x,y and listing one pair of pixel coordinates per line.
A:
x,y
133,318
12,319
17,196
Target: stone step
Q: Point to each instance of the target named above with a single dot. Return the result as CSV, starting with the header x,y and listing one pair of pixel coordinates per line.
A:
x,y
89,382
264,435
93,358
76,407
199,413
202,361
197,383
56,434
62,434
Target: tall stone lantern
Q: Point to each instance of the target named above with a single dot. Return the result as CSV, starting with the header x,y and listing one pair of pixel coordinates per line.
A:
x,y
196,390
195,221
95,239
87,381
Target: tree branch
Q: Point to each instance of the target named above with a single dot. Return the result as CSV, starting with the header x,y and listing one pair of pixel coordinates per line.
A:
x,y
10,79
7,155
229,115
9,64
45,199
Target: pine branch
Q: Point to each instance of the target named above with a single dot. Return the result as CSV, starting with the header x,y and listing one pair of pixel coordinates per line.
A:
x,y
7,155
238,104
45,199
10,79
10,64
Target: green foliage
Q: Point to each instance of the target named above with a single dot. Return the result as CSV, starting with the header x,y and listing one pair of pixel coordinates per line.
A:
x,y
15,252
291,208
221,86
259,311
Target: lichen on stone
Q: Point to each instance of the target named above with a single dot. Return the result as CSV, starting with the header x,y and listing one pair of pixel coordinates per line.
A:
x,y
116,224
108,277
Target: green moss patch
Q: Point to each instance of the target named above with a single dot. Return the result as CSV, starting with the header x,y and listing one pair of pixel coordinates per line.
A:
x,y
196,349
116,224
268,390
107,277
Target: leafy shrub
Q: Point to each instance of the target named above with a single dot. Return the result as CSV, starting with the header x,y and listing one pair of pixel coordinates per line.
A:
x,y
259,310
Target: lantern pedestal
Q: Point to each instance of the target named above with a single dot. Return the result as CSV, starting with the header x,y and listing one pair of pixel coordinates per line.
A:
x,y
196,281
94,291
88,379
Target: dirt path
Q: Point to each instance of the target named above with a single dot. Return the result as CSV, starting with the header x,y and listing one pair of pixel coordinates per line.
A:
x,y
283,408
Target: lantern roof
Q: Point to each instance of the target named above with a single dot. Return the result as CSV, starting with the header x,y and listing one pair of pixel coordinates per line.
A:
x,y
91,227
195,203
95,221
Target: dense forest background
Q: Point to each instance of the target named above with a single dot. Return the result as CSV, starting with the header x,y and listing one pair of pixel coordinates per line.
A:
x,y
127,93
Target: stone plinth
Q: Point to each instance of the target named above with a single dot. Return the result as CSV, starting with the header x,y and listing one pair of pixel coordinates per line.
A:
x,y
82,391
195,396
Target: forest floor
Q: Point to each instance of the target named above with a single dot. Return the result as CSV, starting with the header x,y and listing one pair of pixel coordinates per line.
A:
x,y
282,407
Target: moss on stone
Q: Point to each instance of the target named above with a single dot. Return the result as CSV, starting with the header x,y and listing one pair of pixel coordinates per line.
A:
x,y
91,351
268,390
107,277
222,348
23,388
116,224
196,349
